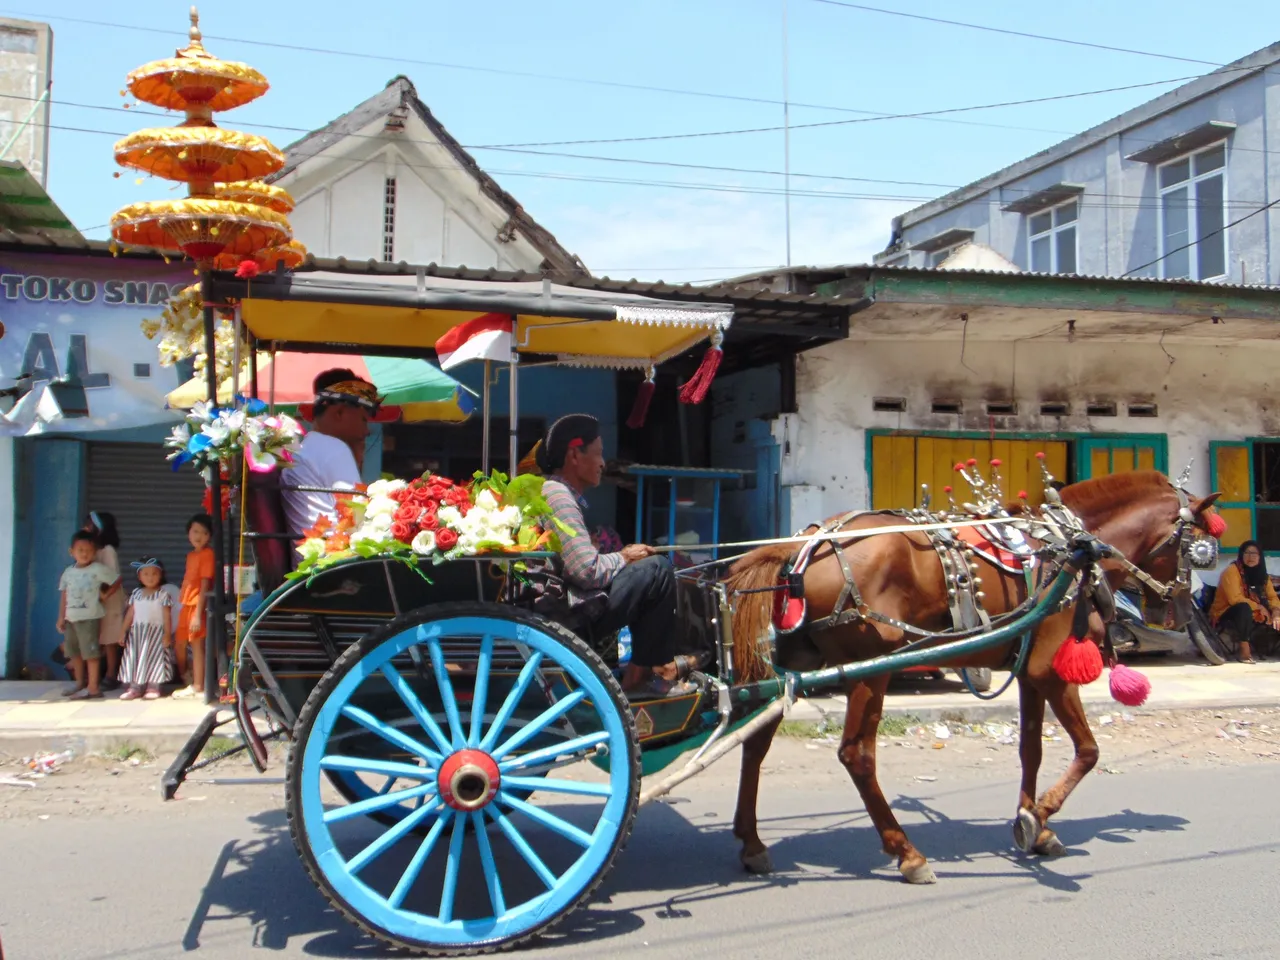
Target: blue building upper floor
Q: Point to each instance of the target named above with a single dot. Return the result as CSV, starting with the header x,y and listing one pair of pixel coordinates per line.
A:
x,y
1181,186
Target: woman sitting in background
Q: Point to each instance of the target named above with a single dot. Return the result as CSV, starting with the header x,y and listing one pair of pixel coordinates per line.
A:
x,y
1246,604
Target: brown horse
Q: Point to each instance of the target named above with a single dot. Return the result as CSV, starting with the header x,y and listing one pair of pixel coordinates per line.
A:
x,y
900,575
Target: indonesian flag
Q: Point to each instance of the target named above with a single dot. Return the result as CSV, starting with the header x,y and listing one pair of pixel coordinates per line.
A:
x,y
484,338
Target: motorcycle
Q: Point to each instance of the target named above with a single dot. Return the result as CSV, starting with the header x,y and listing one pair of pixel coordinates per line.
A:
x,y
1130,633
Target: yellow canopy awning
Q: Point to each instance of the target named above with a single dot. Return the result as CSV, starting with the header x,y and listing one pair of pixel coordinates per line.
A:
x,y
576,326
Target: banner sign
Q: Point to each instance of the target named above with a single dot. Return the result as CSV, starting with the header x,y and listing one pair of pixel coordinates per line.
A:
x,y
73,358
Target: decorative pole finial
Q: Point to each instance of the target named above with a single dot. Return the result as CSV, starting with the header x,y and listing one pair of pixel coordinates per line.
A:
x,y
194,33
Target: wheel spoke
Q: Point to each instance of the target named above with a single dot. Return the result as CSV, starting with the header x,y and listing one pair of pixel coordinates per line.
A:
x,y
379,801
550,753
391,781
410,875
533,784
480,692
388,768
518,841
391,734
451,868
456,739
548,820
410,700
540,723
491,878
513,700
389,839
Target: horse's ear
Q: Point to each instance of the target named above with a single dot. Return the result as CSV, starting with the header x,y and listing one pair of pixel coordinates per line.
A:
x,y
1204,503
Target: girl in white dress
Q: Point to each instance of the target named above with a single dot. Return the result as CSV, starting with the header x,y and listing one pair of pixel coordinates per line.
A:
x,y
148,623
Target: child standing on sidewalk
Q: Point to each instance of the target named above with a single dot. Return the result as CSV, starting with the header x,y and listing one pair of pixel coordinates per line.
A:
x,y
197,584
148,622
103,526
80,613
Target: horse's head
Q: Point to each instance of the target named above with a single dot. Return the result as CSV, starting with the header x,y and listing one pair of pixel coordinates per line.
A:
x,y
1159,528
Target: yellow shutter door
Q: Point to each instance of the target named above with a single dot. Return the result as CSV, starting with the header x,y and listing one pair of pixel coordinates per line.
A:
x,y
899,464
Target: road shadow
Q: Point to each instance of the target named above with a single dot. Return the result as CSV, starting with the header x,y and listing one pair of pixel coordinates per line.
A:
x,y
672,866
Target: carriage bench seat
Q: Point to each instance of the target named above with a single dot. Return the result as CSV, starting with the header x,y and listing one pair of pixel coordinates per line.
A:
x,y
268,531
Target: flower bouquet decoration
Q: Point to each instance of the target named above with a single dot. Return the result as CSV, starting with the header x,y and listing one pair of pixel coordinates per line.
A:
x,y
434,519
211,436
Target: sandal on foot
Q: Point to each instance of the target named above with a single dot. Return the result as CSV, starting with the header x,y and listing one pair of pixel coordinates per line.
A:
x,y
655,688
153,693
133,693
73,693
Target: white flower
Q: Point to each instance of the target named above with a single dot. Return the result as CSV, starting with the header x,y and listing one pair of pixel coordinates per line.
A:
x,y
381,523
385,488
381,506
486,500
424,544
450,516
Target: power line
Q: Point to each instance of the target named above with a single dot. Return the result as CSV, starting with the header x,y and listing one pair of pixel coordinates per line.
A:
x,y
1014,33
839,123
1143,202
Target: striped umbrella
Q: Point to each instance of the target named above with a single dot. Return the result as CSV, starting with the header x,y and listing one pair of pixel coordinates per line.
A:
x,y
421,390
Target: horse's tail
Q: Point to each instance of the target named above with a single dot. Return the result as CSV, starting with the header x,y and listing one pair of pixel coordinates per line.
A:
x,y
753,611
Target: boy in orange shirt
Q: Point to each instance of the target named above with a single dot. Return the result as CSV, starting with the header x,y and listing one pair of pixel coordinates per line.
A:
x,y
197,584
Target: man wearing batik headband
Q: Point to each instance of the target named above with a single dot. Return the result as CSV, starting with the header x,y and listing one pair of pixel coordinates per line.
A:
x,y
631,587
340,417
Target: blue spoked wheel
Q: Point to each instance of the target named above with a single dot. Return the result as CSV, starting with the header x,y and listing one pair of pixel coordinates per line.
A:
x,y
466,724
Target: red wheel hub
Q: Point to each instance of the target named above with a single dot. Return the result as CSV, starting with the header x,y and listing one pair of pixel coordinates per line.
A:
x,y
469,780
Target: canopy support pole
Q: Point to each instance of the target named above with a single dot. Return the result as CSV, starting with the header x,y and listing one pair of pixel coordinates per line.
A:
x,y
215,625
514,411
484,432
253,367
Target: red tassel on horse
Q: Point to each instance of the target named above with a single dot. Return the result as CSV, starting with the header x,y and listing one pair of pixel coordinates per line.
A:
x,y
1129,687
640,407
1215,525
1078,661
695,390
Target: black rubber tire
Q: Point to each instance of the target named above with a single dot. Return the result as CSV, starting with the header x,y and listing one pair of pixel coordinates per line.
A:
x,y
1206,638
443,611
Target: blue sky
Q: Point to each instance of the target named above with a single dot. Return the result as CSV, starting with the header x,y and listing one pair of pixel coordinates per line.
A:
x,y
679,223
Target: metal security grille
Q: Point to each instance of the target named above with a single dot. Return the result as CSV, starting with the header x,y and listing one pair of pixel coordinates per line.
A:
x,y
389,221
151,502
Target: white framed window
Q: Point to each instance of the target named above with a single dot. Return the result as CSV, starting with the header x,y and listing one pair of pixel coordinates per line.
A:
x,y
1051,238
1193,214
937,256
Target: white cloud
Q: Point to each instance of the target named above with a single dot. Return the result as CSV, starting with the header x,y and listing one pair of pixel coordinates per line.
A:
x,y
676,236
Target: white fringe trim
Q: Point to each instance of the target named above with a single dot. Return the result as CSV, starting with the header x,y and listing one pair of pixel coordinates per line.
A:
x,y
675,317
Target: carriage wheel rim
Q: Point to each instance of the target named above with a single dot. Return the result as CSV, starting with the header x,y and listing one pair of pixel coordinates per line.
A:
x,y
438,744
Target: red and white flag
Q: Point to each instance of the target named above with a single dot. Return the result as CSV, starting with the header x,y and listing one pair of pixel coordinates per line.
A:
x,y
484,338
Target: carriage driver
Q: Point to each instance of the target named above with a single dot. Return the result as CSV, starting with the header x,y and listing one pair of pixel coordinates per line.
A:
x,y
633,587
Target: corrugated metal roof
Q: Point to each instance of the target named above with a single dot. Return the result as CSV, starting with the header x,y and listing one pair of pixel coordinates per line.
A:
x,y
27,214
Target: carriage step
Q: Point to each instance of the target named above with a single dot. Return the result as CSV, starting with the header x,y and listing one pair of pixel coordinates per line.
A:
x,y
190,751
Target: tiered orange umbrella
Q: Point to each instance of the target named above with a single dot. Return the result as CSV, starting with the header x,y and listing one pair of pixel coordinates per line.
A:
x,y
228,215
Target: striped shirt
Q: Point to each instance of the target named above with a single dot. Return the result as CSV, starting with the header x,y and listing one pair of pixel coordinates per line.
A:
x,y
587,570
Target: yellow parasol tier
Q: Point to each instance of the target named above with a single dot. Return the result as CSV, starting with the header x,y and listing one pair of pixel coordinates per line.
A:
x,y
199,154
290,254
195,80
201,228
256,191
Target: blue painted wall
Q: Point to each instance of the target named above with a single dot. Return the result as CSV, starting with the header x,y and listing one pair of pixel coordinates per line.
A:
x,y
743,406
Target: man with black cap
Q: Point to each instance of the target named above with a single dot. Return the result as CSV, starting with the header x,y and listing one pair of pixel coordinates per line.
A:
x,y
339,417
632,587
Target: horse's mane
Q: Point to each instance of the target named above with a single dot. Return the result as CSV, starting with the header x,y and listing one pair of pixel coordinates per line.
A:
x,y
1099,498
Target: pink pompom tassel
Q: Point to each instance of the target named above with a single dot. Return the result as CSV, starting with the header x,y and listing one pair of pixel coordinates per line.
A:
x,y
1129,687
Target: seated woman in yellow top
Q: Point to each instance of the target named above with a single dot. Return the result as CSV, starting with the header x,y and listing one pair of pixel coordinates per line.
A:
x,y
1246,603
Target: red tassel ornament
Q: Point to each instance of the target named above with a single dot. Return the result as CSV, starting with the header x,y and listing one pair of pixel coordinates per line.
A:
x,y
695,390
248,269
640,408
1129,687
1078,661
1215,525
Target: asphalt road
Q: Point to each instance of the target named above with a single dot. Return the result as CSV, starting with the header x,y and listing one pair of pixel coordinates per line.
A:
x,y
1175,861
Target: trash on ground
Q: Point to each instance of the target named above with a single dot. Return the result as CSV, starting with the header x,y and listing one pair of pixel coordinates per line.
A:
x,y
49,762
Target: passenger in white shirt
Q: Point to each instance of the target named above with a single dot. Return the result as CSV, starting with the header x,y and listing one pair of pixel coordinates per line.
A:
x,y
340,418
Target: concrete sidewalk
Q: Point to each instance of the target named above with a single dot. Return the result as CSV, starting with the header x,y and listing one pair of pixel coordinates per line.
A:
x,y
33,715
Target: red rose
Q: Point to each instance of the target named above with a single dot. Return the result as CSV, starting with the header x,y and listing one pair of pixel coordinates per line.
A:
x,y
407,514
400,496
421,496
429,520
402,531
446,539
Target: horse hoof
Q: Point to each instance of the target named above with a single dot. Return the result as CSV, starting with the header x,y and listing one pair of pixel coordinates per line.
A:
x,y
757,863
1026,830
918,873
1053,847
